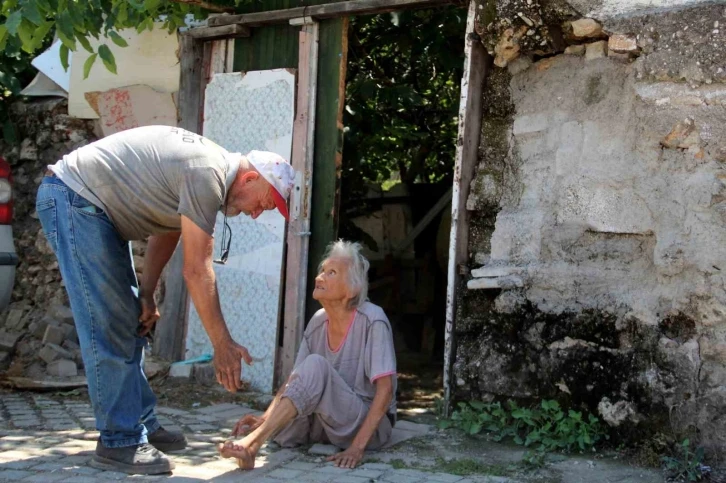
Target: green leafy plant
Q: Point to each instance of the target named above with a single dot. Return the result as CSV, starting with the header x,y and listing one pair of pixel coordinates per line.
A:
x,y
686,465
534,460
546,427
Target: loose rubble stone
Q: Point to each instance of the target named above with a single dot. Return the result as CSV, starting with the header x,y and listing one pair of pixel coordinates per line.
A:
x,y
507,49
575,50
204,374
8,340
52,352
69,332
153,367
680,135
62,368
60,312
54,335
623,44
28,150
40,326
181,370
596,50
586,28
14,320
519,65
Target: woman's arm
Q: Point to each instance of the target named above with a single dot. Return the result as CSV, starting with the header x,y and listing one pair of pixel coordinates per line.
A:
x,y
379,407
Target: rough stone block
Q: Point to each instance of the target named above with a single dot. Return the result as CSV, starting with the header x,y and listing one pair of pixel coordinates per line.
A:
x,y
8,340
181,370
62,314
52,352
586,28
596,50
504,283
70,332
4,356
62,368
489,272
153,367
519,65
575,50
204,374
42,324
14,320
623,44
54,335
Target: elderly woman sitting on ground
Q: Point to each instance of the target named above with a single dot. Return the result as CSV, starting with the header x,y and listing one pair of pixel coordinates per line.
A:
x,y
342,388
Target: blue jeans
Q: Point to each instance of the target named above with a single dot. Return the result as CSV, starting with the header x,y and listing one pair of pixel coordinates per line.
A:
x,y
97,267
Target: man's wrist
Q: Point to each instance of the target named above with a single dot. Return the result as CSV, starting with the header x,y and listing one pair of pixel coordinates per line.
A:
x,y
221,340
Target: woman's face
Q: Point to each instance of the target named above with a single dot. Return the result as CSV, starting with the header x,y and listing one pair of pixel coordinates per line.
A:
x,y
331,284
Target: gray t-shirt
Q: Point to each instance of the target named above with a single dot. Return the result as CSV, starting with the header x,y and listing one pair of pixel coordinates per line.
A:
x,y
145,178
366,353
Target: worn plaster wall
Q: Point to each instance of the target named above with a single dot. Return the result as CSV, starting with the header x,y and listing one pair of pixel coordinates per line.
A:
x,y
598,235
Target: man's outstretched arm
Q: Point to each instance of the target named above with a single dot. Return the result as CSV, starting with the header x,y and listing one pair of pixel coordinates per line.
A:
x,y
201,283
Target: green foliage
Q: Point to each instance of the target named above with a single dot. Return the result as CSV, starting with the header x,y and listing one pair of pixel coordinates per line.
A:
x,y
29,26
685,465
402,99
534,460
546,427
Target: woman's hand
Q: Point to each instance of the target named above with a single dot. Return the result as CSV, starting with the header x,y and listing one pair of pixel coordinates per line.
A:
x,y
350,458
247,424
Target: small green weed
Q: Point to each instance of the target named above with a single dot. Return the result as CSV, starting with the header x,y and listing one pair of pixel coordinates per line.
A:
x,y
686,465
534,460
546,427
468,466
398,464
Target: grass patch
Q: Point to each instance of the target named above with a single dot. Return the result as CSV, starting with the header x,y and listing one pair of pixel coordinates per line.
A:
x,y
459,467
468,466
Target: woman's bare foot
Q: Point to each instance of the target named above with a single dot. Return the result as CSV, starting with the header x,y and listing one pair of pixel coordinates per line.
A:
x,y
245,456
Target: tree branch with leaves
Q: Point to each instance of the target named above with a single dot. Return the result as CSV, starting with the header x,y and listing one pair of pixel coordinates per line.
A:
x,y
29,26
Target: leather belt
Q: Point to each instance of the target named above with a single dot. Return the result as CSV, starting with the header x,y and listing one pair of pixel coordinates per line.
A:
x,y
49,173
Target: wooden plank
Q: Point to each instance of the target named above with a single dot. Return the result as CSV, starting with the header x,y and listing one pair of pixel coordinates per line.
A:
x,y
216,33
332,61
477,63
298,229
425,221
325,11
170,331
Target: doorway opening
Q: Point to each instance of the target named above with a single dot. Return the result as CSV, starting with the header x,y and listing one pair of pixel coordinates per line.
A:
x,y
401,116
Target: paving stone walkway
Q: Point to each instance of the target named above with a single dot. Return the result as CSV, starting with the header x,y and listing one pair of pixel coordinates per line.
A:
x,y
43,440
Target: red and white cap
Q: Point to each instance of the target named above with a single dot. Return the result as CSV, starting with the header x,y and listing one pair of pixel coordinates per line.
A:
x,y
278,172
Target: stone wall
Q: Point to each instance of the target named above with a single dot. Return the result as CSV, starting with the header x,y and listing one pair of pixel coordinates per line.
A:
x,y
599,216
36,332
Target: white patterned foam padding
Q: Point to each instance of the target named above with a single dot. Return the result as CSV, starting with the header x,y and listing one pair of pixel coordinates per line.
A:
x,y
242,112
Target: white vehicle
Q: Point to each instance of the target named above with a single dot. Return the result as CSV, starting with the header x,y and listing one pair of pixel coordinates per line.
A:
x,y
8,257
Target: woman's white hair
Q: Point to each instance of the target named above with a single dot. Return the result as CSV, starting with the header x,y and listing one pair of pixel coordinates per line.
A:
x,y
357,268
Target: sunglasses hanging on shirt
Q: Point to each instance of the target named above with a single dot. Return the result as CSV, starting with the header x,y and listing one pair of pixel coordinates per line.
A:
x,y
226,240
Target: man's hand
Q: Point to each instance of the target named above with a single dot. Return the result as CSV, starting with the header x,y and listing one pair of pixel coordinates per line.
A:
x,y
247,424
227,364
350,458
149,313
